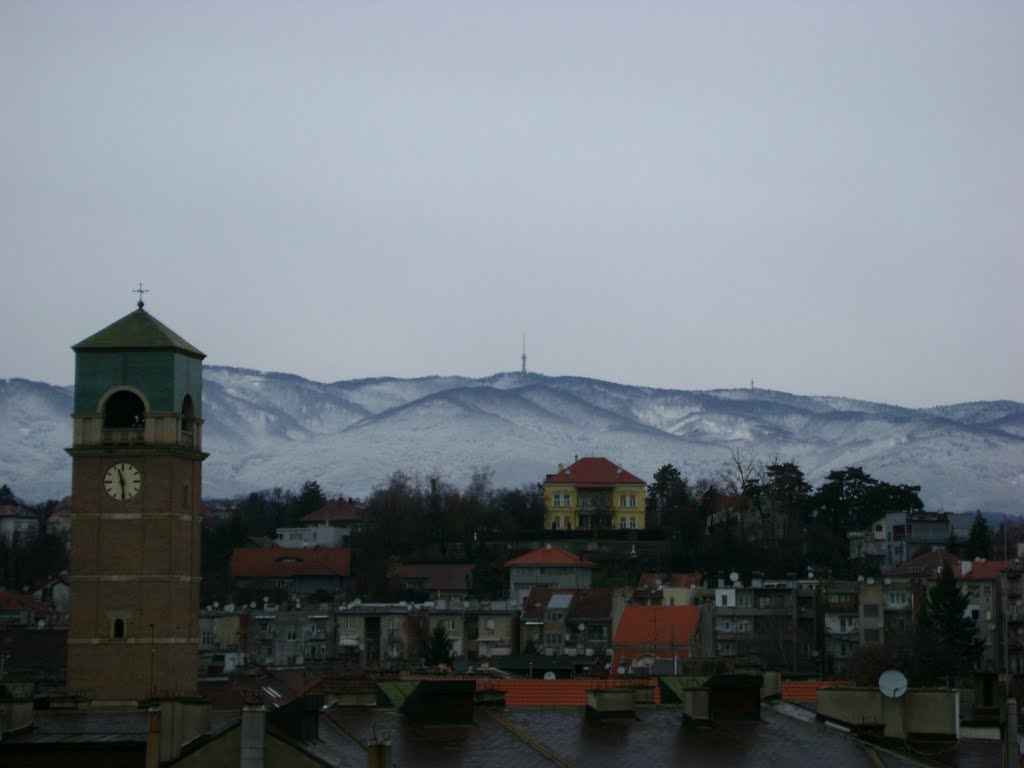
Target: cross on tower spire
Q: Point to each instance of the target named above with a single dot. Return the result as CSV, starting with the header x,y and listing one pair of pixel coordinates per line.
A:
x,y
140,290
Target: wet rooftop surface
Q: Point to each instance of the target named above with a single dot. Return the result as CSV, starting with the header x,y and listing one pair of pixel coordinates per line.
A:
x,y
656,737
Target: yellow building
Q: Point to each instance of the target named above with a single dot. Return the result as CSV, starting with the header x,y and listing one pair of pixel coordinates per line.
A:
x,y
593,493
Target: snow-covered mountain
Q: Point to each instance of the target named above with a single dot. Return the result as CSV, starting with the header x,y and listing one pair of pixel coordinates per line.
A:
x,y
272,429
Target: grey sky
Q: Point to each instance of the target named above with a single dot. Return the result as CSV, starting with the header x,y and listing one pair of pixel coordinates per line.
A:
x,y
825,197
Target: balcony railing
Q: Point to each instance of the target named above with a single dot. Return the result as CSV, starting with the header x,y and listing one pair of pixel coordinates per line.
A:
x,y
123,436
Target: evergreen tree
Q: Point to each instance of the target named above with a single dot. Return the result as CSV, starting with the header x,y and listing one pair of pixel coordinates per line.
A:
x,y
310,499
440,649
947,644
979,542
7,496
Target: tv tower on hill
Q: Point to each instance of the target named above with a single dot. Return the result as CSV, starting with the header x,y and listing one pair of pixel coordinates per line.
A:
x,y
524,353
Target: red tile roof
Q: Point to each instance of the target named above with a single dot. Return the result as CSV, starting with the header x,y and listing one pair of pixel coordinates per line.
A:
x,y
985,570
929,565
282,563
667,626
15,602
550,554
593,472
447,577
337,511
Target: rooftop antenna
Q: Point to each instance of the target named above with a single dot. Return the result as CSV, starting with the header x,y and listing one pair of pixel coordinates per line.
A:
x,y
140,290
524,353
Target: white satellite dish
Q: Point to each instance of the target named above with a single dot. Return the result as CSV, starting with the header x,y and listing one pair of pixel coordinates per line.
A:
x,y
860,578
549,675
892,683
810,574
734,577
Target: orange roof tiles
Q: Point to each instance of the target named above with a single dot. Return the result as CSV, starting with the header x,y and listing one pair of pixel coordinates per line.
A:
x,y
666,626
337,511
986,570
550,554
282,562
593,472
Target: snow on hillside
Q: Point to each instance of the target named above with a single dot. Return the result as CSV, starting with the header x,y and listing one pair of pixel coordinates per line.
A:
x,y
269,429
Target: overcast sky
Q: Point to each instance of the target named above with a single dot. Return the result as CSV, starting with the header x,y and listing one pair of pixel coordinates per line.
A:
x,y
827,198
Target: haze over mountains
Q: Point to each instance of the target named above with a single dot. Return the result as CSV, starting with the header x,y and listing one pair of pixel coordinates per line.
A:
x,y
272,429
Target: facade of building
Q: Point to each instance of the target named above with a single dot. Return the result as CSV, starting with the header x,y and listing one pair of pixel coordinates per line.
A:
x,y
594,493
18,527
136,480
296,571
548,566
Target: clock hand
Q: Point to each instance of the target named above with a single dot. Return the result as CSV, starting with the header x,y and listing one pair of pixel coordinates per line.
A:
x,y
120,474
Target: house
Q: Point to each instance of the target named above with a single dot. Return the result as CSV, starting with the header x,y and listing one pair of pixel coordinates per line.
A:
x,y
55,592
433,580
497,629
301,571
589,624
291,635
593,493
667,588
549,566
649,632
17,526
21,610
379,634
223,639
985,582
338,514
766,622
310,536
59,522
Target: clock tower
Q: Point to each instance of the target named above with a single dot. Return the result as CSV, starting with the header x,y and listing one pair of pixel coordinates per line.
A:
x,y
136,512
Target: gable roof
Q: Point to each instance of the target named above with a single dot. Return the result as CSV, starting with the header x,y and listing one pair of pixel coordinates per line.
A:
x,y
664,625
985,570
337,511
550,554
137,330
929,564
447,577
593,472
284,562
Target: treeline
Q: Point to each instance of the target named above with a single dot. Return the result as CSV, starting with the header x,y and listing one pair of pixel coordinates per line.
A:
x,y
26,561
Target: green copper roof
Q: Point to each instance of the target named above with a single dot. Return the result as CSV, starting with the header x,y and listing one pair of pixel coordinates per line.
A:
x,y
138,330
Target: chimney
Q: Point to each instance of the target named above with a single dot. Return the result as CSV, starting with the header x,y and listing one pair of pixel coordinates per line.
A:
x,y
561,467
254,727
378,753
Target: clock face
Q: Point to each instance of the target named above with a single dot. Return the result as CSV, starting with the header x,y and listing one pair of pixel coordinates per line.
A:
x,y
122,481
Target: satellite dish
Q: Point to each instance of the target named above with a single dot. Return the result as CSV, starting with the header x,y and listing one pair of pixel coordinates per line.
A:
x,y
860,578
549,675
871,581
734,577
810,574
582,626
892,683
888,580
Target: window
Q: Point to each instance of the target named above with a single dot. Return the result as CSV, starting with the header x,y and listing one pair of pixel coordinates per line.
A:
x,y
350,623
207,637
556,500
632,522
870,609
555,523
622,522
567,525
117,631
490,624
725,599
871,635
450,624
565,500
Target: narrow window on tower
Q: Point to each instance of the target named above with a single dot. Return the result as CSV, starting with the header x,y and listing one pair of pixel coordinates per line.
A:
x,y
118,629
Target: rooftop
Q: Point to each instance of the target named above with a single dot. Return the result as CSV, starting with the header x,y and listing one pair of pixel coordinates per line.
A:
x,y
550,554
593,472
